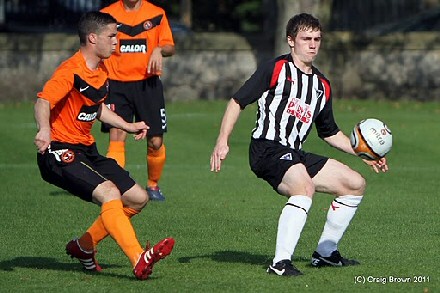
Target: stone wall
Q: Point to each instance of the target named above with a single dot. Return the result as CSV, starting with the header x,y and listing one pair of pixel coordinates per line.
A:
x,y
213,66
398,66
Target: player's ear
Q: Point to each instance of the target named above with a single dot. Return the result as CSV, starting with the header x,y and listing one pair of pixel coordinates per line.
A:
x,y
290,41
92,38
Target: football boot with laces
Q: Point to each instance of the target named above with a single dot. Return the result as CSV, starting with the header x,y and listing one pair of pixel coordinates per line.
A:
x,y
86,258
284,268
144,266
334,260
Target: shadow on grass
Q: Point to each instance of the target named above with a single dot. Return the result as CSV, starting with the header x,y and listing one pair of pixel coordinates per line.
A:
x,y
47,263
238,257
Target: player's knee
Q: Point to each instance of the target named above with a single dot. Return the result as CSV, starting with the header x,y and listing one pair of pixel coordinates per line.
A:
x,y
105,192
310,190
117,134
357,184
141,200
135,198
155,142
291,190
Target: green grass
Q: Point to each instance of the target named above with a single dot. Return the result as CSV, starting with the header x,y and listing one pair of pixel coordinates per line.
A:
x,y
225,224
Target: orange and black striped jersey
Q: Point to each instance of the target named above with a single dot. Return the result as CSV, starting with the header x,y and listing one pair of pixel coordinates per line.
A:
x,y
75,94
139,32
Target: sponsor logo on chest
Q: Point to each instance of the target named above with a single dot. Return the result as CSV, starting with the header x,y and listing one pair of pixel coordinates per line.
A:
x,y
300,110
88,113
133,46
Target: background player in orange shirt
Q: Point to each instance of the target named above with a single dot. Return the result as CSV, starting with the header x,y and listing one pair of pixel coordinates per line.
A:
x,y
68,157
136,90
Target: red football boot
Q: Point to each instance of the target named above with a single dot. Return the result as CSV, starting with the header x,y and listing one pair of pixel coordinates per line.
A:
x,y
144,266
86,258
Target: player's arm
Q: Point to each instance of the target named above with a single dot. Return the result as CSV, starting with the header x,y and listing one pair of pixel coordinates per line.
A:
x,y
167,50
221,149
342,142
165,43
138,128
250,91
155,62
54,91
42,118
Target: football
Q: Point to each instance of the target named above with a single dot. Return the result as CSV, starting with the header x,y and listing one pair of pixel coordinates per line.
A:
x,y
371,139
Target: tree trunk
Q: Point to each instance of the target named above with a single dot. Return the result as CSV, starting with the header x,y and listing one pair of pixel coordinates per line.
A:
x,y
2,14
186,12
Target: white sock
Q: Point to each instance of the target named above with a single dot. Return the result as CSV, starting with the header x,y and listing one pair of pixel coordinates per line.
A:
x,y
291,223
340,213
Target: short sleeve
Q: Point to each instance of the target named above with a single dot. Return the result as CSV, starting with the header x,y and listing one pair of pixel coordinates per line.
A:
x,y
57,87
255,86
325,122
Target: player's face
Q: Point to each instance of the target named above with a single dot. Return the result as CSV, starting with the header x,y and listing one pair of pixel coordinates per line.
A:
x,y
106,41
132,4
305,45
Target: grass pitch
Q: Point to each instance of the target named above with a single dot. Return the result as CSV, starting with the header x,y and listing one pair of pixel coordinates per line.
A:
x,y
225,224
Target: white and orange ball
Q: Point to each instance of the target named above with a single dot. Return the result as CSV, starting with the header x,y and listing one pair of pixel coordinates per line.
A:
x,y
371,139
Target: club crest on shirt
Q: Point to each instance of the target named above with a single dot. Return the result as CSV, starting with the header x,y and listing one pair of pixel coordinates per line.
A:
x,y
148,25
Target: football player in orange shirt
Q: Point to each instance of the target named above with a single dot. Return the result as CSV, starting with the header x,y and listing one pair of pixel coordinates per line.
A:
x,y
67,156
136,91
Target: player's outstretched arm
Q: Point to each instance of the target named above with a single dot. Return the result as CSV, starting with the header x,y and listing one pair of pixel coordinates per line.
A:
x,y
138,128
342,142
221,148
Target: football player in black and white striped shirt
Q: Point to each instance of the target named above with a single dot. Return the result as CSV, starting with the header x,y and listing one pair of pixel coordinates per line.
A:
x,y
292,95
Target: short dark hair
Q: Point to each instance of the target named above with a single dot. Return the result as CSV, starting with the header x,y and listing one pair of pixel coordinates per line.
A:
x,y
303,21
93,22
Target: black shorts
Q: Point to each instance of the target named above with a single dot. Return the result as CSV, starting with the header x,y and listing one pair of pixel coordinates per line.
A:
x,y
270,160
79,169
138,101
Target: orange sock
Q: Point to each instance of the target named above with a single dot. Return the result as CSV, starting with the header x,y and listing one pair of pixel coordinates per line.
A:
x,y
119,227
129,212
97,231
116,150
155,163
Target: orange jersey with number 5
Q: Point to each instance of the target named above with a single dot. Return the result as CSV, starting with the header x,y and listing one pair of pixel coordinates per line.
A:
x,y
139,32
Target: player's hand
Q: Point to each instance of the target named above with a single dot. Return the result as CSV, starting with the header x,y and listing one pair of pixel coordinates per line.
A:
x,y
155,62
42,140
378,165
218,155
139,129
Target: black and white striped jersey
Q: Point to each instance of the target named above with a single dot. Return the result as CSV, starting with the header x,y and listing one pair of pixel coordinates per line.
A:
x,y
289,102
